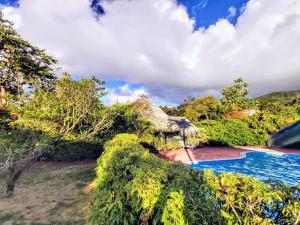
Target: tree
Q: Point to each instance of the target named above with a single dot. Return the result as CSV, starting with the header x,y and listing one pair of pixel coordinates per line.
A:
x,y
21,63
18,150
126,119
235,97
72,111
201,108
171,111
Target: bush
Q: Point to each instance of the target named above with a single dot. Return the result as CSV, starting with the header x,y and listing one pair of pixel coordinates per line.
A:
x,y
15,144
245,200
230,132
67,151
135,187
172,143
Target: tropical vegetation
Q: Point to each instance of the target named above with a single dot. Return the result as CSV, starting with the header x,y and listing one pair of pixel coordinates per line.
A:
x,y
236,119
135,187
43,117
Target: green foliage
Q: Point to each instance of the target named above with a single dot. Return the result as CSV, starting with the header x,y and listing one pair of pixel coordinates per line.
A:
x,y
269,121
235,97
201,108
70,151
126,119
230,132
22,63
172,143
245,200
284,98
16,144
171,111
73,115
72,111
135,187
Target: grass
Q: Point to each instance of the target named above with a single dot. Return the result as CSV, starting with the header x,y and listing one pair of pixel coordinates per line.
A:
x,y
11,218
47,195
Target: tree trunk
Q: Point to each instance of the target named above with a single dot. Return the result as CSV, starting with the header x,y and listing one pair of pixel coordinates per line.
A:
x,y
13,175
15,171
2,99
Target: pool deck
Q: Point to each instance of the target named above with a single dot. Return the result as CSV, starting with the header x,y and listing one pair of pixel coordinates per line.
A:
x,y
188,156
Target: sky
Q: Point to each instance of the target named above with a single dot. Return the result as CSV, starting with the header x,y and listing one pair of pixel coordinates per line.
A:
x,y
167,49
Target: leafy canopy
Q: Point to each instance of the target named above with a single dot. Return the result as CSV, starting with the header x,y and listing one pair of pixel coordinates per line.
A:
x,y
235,97
201,108
135,187
72,111
21,63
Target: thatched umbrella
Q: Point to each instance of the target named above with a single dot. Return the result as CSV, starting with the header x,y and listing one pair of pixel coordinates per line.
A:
x,y
182,124
162,122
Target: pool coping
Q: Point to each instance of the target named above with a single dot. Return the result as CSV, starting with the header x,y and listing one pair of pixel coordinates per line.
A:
x,y
242,156
207,154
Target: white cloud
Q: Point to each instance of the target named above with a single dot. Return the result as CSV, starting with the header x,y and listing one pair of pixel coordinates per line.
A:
x,y
232,12
153,42
124,94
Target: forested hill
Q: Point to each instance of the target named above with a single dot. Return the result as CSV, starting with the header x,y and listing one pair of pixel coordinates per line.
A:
x,y
282,97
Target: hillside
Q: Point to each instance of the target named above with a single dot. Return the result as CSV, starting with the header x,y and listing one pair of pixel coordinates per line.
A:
x,y
283,97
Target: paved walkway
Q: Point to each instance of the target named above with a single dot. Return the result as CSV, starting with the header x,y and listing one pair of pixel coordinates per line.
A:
x,y
214,153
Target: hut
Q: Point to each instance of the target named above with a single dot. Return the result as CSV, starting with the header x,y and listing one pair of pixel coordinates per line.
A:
x,y
164,125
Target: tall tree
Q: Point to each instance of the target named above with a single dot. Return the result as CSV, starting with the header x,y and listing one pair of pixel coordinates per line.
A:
x,y
235,97
21,63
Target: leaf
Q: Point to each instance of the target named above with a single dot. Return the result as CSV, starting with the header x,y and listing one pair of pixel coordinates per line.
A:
x,y
226,215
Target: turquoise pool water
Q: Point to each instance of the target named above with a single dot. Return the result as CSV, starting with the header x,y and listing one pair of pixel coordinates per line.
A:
x,y
282,167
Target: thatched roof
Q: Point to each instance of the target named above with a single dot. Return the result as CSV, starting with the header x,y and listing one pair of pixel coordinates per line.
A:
x,y
183,124
161,121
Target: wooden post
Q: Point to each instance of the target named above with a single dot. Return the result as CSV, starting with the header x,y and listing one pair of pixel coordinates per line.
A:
x,y
2,99
184,138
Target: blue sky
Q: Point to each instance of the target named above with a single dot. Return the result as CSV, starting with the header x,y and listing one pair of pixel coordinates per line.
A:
x,y
165,49
208,12
8,2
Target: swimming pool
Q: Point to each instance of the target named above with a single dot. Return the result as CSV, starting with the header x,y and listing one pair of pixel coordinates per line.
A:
x,y
283,167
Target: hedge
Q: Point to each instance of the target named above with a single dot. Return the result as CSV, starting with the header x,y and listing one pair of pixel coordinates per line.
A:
x,y
133,186
230,132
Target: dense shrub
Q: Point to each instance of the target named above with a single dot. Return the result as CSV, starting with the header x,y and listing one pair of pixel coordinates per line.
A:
x,y
68,151
230,132
15,144
126,119
245,200
269,121
135,187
